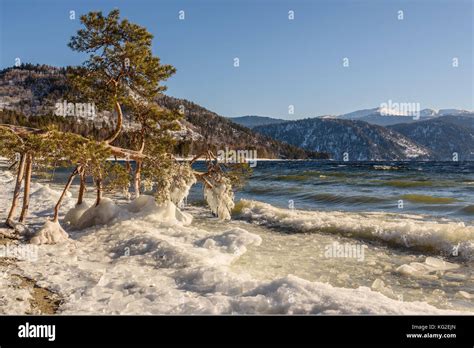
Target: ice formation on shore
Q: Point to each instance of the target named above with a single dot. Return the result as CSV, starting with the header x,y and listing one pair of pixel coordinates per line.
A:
x,y
100,214
50,233
72,216
407,231
220,199
146,258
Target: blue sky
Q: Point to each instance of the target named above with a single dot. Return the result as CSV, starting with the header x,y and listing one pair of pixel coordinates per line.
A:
x,y
282,62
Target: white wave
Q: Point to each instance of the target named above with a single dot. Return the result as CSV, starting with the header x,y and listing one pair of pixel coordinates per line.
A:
x,y
408,231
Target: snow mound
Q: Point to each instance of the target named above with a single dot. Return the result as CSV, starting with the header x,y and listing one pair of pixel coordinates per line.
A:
x,y
101,214
45,193
73,215
50,233
167,212
143,207
144,203
293,295
408,231
233,241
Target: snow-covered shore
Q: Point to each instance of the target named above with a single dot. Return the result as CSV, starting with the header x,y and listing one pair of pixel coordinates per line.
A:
x,y
147,260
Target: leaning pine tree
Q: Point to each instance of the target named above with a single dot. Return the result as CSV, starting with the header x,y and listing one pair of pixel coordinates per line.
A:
x,y
122,71
120,75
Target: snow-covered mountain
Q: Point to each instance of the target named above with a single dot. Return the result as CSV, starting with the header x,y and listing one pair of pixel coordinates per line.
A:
x,y
385,116
447,137
439,138
385,111
347,139
453,112
357,115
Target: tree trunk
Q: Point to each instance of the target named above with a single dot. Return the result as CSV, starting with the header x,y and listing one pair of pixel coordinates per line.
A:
x,y
99,190
118,128
66,188
82,187
16,193
137,178
26,191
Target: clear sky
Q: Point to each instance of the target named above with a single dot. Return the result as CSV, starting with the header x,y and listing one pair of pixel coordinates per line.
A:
x,y
282,62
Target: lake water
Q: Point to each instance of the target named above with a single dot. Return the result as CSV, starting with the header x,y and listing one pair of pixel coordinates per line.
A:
x,y
439,189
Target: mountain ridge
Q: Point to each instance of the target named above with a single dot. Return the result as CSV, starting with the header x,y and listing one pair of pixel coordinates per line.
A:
x,y
379,116
251,121
33,90
449,137
347,139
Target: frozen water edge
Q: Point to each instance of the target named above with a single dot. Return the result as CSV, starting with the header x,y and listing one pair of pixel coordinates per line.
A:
x,y
137,265
185,270
403,230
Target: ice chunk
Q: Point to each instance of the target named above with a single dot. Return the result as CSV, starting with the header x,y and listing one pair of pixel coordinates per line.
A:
x,y
50,233
165,212
464,295
101,214
72,217
430,266
233,241
142,203
220,199
379,285
439,264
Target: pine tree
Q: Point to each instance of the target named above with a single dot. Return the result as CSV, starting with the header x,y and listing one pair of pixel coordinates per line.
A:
x,y
153,136
120,74
121,64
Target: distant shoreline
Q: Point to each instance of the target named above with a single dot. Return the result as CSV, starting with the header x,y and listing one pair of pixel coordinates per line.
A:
x,y
297,160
